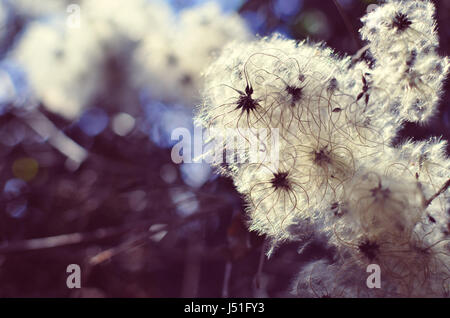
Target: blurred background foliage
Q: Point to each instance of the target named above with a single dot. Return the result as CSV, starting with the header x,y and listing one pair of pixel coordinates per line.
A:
x,y
137,224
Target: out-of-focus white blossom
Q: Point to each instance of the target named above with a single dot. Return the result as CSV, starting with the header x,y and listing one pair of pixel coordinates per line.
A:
x,y
164,54
62,64
170,63
113,21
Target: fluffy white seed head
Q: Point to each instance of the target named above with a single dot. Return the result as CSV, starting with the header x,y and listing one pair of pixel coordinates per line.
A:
x,y
384,207
397,27
402,38
62,65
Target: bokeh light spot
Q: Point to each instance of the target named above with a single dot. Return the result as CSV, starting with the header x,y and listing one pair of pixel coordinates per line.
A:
x,y
287,8
168,173
16,202
25,168
93,121
123,124
195,174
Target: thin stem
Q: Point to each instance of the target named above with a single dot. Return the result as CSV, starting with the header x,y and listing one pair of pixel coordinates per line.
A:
x,y
441,190
260,266
226,279
95,236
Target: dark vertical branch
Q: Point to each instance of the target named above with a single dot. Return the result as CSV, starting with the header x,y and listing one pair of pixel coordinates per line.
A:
x,y
441,190
348,25
192,268
226,279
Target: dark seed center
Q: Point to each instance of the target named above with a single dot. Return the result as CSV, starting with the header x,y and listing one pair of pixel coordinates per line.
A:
x,y
280,181
401,22
369,249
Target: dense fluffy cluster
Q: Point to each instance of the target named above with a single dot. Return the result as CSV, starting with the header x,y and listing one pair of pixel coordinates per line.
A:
x,y
335,118
403,41
68,64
